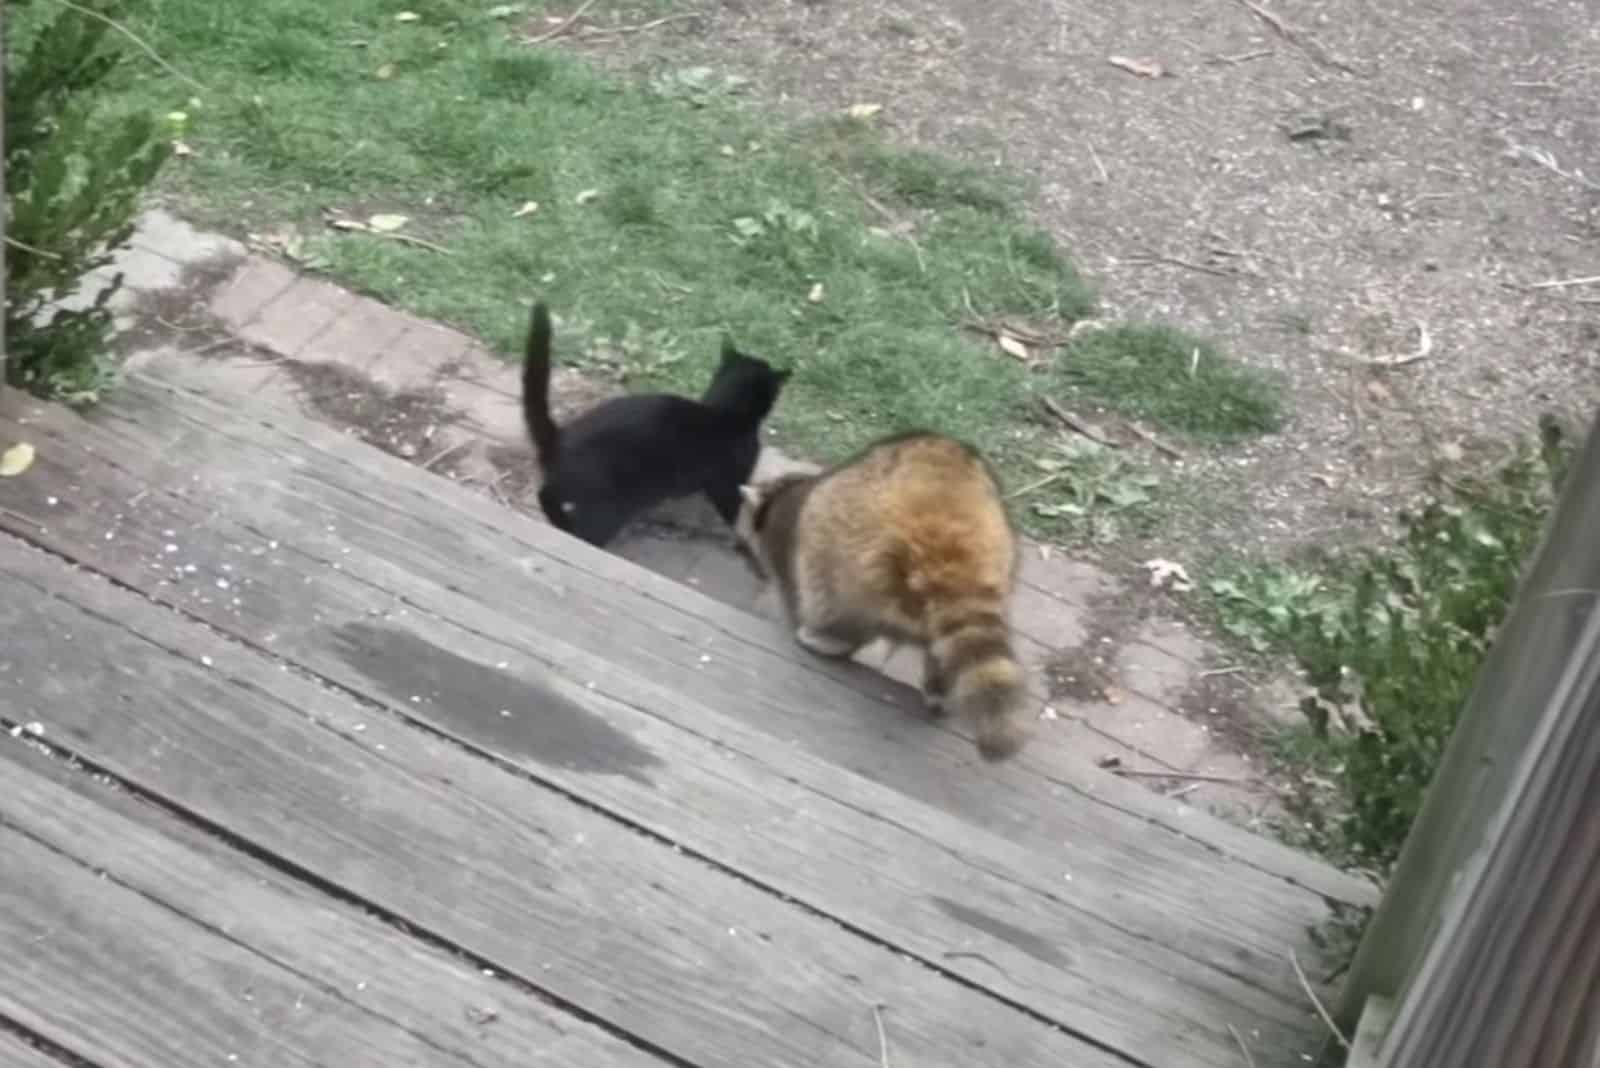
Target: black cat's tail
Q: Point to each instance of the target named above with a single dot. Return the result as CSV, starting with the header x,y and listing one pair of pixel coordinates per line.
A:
x,y
536,388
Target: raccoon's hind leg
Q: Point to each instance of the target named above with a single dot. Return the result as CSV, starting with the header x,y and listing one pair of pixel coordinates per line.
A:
x,y
935,690
828,641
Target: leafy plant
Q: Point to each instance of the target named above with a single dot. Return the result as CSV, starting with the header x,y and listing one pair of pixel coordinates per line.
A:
x,y
1391,643
1089,493
73,182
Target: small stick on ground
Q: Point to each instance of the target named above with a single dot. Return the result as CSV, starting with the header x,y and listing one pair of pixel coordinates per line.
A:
x,y
1249,1059
1153,441
1037,484
1555,283
1316,1002
1423,350
1236,669
565,25
640,27
408,239
1242,57
883,1037
1105,176
14,243
1076,426
1179,261
446,451
1136,773
1299,40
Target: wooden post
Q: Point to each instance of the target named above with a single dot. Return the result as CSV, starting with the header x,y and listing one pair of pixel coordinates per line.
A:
x,y
1489,934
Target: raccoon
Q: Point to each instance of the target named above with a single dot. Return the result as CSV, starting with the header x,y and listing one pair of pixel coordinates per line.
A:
x,y
908,541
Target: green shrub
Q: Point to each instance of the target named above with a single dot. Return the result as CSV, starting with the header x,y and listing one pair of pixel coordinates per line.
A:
x,y
1392,642
73,182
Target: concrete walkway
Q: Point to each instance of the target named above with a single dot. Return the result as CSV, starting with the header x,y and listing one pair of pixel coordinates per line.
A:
x,y
1135,693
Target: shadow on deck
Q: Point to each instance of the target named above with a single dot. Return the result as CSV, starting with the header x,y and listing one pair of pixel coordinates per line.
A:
x,y
321,758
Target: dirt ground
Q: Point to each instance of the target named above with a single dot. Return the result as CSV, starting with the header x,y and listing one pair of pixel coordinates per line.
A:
x,y
1318,186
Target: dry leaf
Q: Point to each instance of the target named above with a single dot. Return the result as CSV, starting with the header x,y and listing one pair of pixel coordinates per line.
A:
x,y
503,11
1168,573
384,73
348,224
815,296
528,208
863,111
407,16
726,150
181,149
16,460
586,196
1144,67
1013,347
387,224
1111,695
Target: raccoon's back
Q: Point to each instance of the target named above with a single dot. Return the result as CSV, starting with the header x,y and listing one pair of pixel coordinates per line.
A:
x,y
917,516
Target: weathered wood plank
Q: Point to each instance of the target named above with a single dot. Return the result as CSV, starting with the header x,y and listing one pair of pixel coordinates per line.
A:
x,y
622,926
1065,940
15,1052
444,1001
450,538
1162,885
467,544
97,969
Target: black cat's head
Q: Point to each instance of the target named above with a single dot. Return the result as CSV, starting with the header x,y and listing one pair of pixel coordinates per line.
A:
x,y
744,383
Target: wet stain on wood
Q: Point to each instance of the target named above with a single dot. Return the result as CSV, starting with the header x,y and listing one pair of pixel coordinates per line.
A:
x,y
489,706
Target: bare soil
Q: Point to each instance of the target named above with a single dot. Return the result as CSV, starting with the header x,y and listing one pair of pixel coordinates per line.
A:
x,y
1313,185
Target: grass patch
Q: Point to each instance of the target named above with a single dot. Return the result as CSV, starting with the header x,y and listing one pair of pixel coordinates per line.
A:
x,y
668,214
1170,378
1392,641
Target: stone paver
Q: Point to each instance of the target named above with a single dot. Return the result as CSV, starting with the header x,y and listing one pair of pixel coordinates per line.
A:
x,y
356,337
255,284
267,305
286,322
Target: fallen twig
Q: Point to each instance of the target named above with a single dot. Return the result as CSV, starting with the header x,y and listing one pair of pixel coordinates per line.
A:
x,y
1037,484
1105,175
883,1037
1316,1002
446,451
136,39
564,25
1234,669
408,239
639,27
14,243
1077,426
1137,773
1423,350
1242,57
1546,159
1153,441
1555,283
1179,261
1299,40
1249,1060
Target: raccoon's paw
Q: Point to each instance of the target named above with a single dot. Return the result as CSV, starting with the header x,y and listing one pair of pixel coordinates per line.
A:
x,y
824,644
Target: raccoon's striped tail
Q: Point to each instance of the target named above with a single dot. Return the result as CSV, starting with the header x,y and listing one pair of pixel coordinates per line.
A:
x,y
974,671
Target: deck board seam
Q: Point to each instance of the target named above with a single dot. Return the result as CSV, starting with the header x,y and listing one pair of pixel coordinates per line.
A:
x,y
326,886
52,1049
326,988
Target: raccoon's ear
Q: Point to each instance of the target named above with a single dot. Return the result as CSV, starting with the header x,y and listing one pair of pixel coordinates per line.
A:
x,y
751,495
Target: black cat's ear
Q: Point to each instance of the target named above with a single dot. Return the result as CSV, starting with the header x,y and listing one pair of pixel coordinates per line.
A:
x,y
782,376
729,352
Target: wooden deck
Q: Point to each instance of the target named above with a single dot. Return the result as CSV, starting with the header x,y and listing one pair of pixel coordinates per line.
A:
x,y
322,759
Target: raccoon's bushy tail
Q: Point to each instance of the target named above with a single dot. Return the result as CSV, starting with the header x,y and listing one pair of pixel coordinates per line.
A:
x,y
978,674
536,388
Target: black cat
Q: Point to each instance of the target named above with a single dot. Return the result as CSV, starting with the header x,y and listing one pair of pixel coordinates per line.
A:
x,y
628,454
